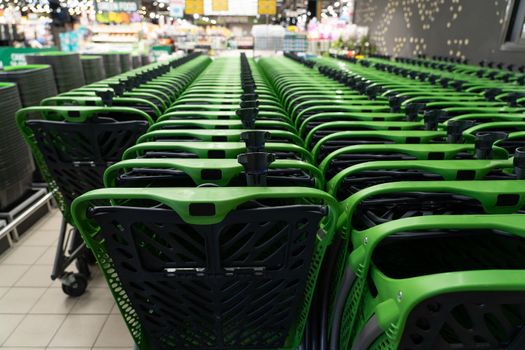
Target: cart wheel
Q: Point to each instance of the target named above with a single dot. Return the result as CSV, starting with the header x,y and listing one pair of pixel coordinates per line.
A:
x,y
82,265
74,284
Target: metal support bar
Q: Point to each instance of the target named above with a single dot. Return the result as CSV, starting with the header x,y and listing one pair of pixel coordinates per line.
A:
x,y
11,227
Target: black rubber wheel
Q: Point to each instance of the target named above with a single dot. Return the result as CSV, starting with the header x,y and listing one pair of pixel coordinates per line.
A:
x,y
76,286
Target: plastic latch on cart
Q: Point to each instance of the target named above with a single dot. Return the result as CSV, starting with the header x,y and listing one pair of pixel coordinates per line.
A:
x,y
519,163
512,98
248,117
256,166
412,111
255,140
248,88
249,97
485,141
455,130
373,91
249,104
106,96
490,94
118,88
395,103
431,118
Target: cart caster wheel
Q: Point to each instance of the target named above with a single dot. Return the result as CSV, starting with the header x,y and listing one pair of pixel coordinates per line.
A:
x,y
74,284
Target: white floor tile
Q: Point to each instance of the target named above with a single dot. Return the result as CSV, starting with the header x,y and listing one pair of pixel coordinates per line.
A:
x,y
9,274
34,312
35,330
8,324
115,334
98,280
23,255
79,330
20,300
115,310
51,224
48,257
40,238
54,301
36,276
94,301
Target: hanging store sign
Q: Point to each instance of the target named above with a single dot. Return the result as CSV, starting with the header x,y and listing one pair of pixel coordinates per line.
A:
x,y
267,7
194,7
219,5
177,8
127,6
117,11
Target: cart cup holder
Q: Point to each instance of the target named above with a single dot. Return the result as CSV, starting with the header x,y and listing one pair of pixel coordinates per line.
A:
x,y
512,98
130,83
373,91
140,78
490,94
106,96
413,74
432,117
485,141
248,88
148,75
423,76
455,130
519,163
432,78
255,140
249,97
350,81
256,166
444,82
361,87
412,111
118,88
248,116
492,75
395,103
457,84
506,77
249,104
340,76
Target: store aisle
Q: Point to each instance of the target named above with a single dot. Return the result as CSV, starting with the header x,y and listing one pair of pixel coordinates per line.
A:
x,y
36,314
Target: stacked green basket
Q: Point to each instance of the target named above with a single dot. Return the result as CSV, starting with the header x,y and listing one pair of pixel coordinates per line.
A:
x,y
93,68
225,175
16,165
405,278
67,68
34,82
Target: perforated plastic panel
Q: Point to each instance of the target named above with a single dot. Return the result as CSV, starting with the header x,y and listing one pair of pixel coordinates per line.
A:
x,y
237,284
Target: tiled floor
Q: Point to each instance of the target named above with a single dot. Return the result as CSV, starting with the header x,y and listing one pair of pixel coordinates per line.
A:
x,y
36,314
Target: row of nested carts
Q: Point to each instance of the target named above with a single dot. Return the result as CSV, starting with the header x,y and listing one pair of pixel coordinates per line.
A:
x,y
44,76
292,203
